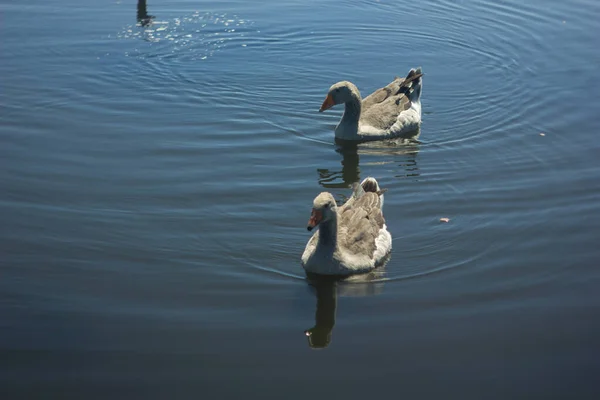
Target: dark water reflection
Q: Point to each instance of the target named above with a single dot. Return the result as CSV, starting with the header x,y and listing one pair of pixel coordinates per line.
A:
x,y
327,290
319,336
400,154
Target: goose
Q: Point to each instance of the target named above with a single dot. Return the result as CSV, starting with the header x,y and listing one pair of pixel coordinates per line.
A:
x,y
351,238
389,112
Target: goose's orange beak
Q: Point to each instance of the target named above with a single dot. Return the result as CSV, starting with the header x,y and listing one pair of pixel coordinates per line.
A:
x,y
327,104
314,220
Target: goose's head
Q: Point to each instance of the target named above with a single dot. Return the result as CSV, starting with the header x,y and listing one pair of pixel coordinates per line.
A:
x,y
324,209
341,92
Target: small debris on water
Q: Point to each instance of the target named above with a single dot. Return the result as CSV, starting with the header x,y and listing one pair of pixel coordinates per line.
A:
x,y
444,219
542,134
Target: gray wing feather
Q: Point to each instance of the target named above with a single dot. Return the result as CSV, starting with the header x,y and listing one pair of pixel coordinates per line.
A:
x,y
360,225
382,94
385,114
381,108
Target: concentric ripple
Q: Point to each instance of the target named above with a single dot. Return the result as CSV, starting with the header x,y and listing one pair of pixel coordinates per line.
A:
x,y
195,37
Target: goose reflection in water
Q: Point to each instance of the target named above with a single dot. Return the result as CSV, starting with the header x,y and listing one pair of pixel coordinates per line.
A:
x,y
401,151
142,14
327,290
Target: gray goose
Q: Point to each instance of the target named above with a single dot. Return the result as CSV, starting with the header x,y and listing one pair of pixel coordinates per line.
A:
x,y
389,112
351,238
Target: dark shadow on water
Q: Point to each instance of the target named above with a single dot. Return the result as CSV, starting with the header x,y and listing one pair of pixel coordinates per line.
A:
x,y
327,289
142,14
401,151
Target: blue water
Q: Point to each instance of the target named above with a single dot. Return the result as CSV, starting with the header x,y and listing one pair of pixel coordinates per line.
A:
x,y
156,182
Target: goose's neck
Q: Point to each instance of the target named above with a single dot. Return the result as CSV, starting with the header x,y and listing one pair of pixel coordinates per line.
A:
x,y
348,126
328,233
352,111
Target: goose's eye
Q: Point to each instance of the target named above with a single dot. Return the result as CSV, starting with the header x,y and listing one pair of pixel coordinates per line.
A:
x,y
327,205
337,90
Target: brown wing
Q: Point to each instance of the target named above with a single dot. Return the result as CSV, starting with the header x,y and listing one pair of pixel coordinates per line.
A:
x,y
385,114
382,94
396,87
360,224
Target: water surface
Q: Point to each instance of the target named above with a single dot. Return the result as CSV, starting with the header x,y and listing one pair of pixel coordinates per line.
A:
x,y
157,177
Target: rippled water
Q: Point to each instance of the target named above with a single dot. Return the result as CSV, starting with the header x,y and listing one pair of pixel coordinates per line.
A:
x,y
157,175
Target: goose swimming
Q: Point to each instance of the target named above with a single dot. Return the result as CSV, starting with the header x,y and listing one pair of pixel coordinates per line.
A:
x,y
351,238
389,112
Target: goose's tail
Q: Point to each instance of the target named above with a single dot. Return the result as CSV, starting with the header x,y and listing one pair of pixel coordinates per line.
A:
x,y
412,84
370,184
